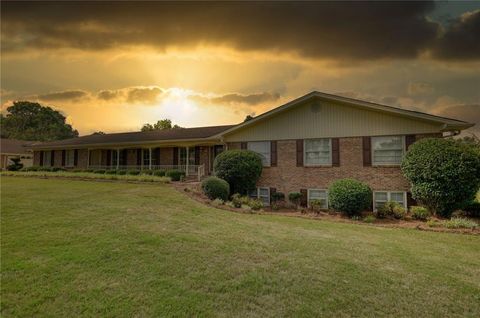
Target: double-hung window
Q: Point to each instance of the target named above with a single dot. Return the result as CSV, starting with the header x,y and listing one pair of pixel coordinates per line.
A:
x,y
317,152
47,158
69,158
388,150
320,195
262,193
381,197
146,157
263,149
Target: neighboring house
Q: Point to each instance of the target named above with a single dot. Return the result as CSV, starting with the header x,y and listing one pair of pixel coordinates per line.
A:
x,y
305,144
12,148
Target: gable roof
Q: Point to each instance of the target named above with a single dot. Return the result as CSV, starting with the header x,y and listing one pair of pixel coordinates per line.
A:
x,y
14,146
138,137
449,123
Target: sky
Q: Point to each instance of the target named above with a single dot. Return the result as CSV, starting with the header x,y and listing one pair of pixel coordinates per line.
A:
x,y
114,66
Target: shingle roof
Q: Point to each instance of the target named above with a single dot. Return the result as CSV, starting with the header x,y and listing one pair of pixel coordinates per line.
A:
x,y
14,146
135,137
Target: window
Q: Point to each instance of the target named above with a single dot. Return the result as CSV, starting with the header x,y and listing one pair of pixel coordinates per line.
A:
x,y
263,194
47,158
263,149
387,150
114,158
146,157
69,158
380,197
315,194
182,155
317,152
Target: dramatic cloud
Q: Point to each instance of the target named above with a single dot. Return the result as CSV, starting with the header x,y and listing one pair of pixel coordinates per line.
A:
x,y
416,89
348,30
469,113
462,39
148,95
63,95
235,98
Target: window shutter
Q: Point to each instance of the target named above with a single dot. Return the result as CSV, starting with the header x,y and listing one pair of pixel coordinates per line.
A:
x,y
197,155
367,151
75,157
299,152
273,153
335,152
410,200
304,198
139,157
272,191
41,158
243,145
175,156
63,158
409,140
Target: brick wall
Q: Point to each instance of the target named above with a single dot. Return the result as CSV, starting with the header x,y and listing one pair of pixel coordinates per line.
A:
x,y
204,158
287,177
57,154
82,159
36,158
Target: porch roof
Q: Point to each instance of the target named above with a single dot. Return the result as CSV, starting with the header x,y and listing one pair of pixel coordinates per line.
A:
x,y
196,133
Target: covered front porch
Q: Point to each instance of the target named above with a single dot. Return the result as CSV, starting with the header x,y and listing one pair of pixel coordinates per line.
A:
x,y
193,159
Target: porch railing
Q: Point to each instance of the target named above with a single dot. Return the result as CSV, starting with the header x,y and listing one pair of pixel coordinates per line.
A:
x,y
190,170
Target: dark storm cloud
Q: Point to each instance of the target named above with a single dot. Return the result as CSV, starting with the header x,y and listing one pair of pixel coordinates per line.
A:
x,y
462,39
349,30
467,112
63,95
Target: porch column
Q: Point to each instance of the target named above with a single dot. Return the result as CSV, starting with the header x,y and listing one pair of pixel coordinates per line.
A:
x,y
186,164
118,158
150,158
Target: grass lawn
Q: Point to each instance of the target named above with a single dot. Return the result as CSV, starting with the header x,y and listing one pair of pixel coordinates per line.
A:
x,y
71,248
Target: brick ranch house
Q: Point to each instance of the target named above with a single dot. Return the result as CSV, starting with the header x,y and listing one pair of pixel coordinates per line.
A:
x,y
305,144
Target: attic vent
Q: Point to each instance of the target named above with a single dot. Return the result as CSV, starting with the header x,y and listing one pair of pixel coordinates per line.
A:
x,y
316,107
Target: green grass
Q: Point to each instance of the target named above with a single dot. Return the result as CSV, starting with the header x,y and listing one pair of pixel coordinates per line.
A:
x,y
81,248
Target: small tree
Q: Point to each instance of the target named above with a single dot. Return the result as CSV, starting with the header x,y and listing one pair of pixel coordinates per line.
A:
x,y
295,198
443,173
240,168
16,165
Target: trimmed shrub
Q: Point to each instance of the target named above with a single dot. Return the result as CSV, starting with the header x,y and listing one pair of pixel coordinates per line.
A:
x,y
16,165
87,170
99,171
217,202
278,196
147,172
369,219
349,196
175,175
112,171
240,168
216,188
295,197
316,205
133,172
443,173
238,200
122,172
391,209
159,173
32,168
419,213
255,204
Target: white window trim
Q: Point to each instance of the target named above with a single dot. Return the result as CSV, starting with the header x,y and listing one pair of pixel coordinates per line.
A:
x,y
258,194
379,164
305,164
388,197
308,196
269,163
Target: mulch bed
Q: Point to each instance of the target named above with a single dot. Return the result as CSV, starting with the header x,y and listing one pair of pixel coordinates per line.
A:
x,y
193,190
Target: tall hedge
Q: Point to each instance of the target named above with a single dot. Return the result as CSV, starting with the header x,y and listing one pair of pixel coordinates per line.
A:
x,y
443,173
349,196
240,168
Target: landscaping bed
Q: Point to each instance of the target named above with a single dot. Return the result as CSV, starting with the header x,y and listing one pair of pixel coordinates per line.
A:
x,y
435,224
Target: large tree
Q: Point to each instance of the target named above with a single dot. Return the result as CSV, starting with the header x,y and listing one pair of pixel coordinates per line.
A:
x,y
31,121
160,125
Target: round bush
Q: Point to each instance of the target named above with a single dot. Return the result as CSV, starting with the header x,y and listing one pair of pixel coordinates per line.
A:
x,y
349,196
175,175
111,171
419,213
240,168
122,172
216,188
133,172
159,173
99,171
443,173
